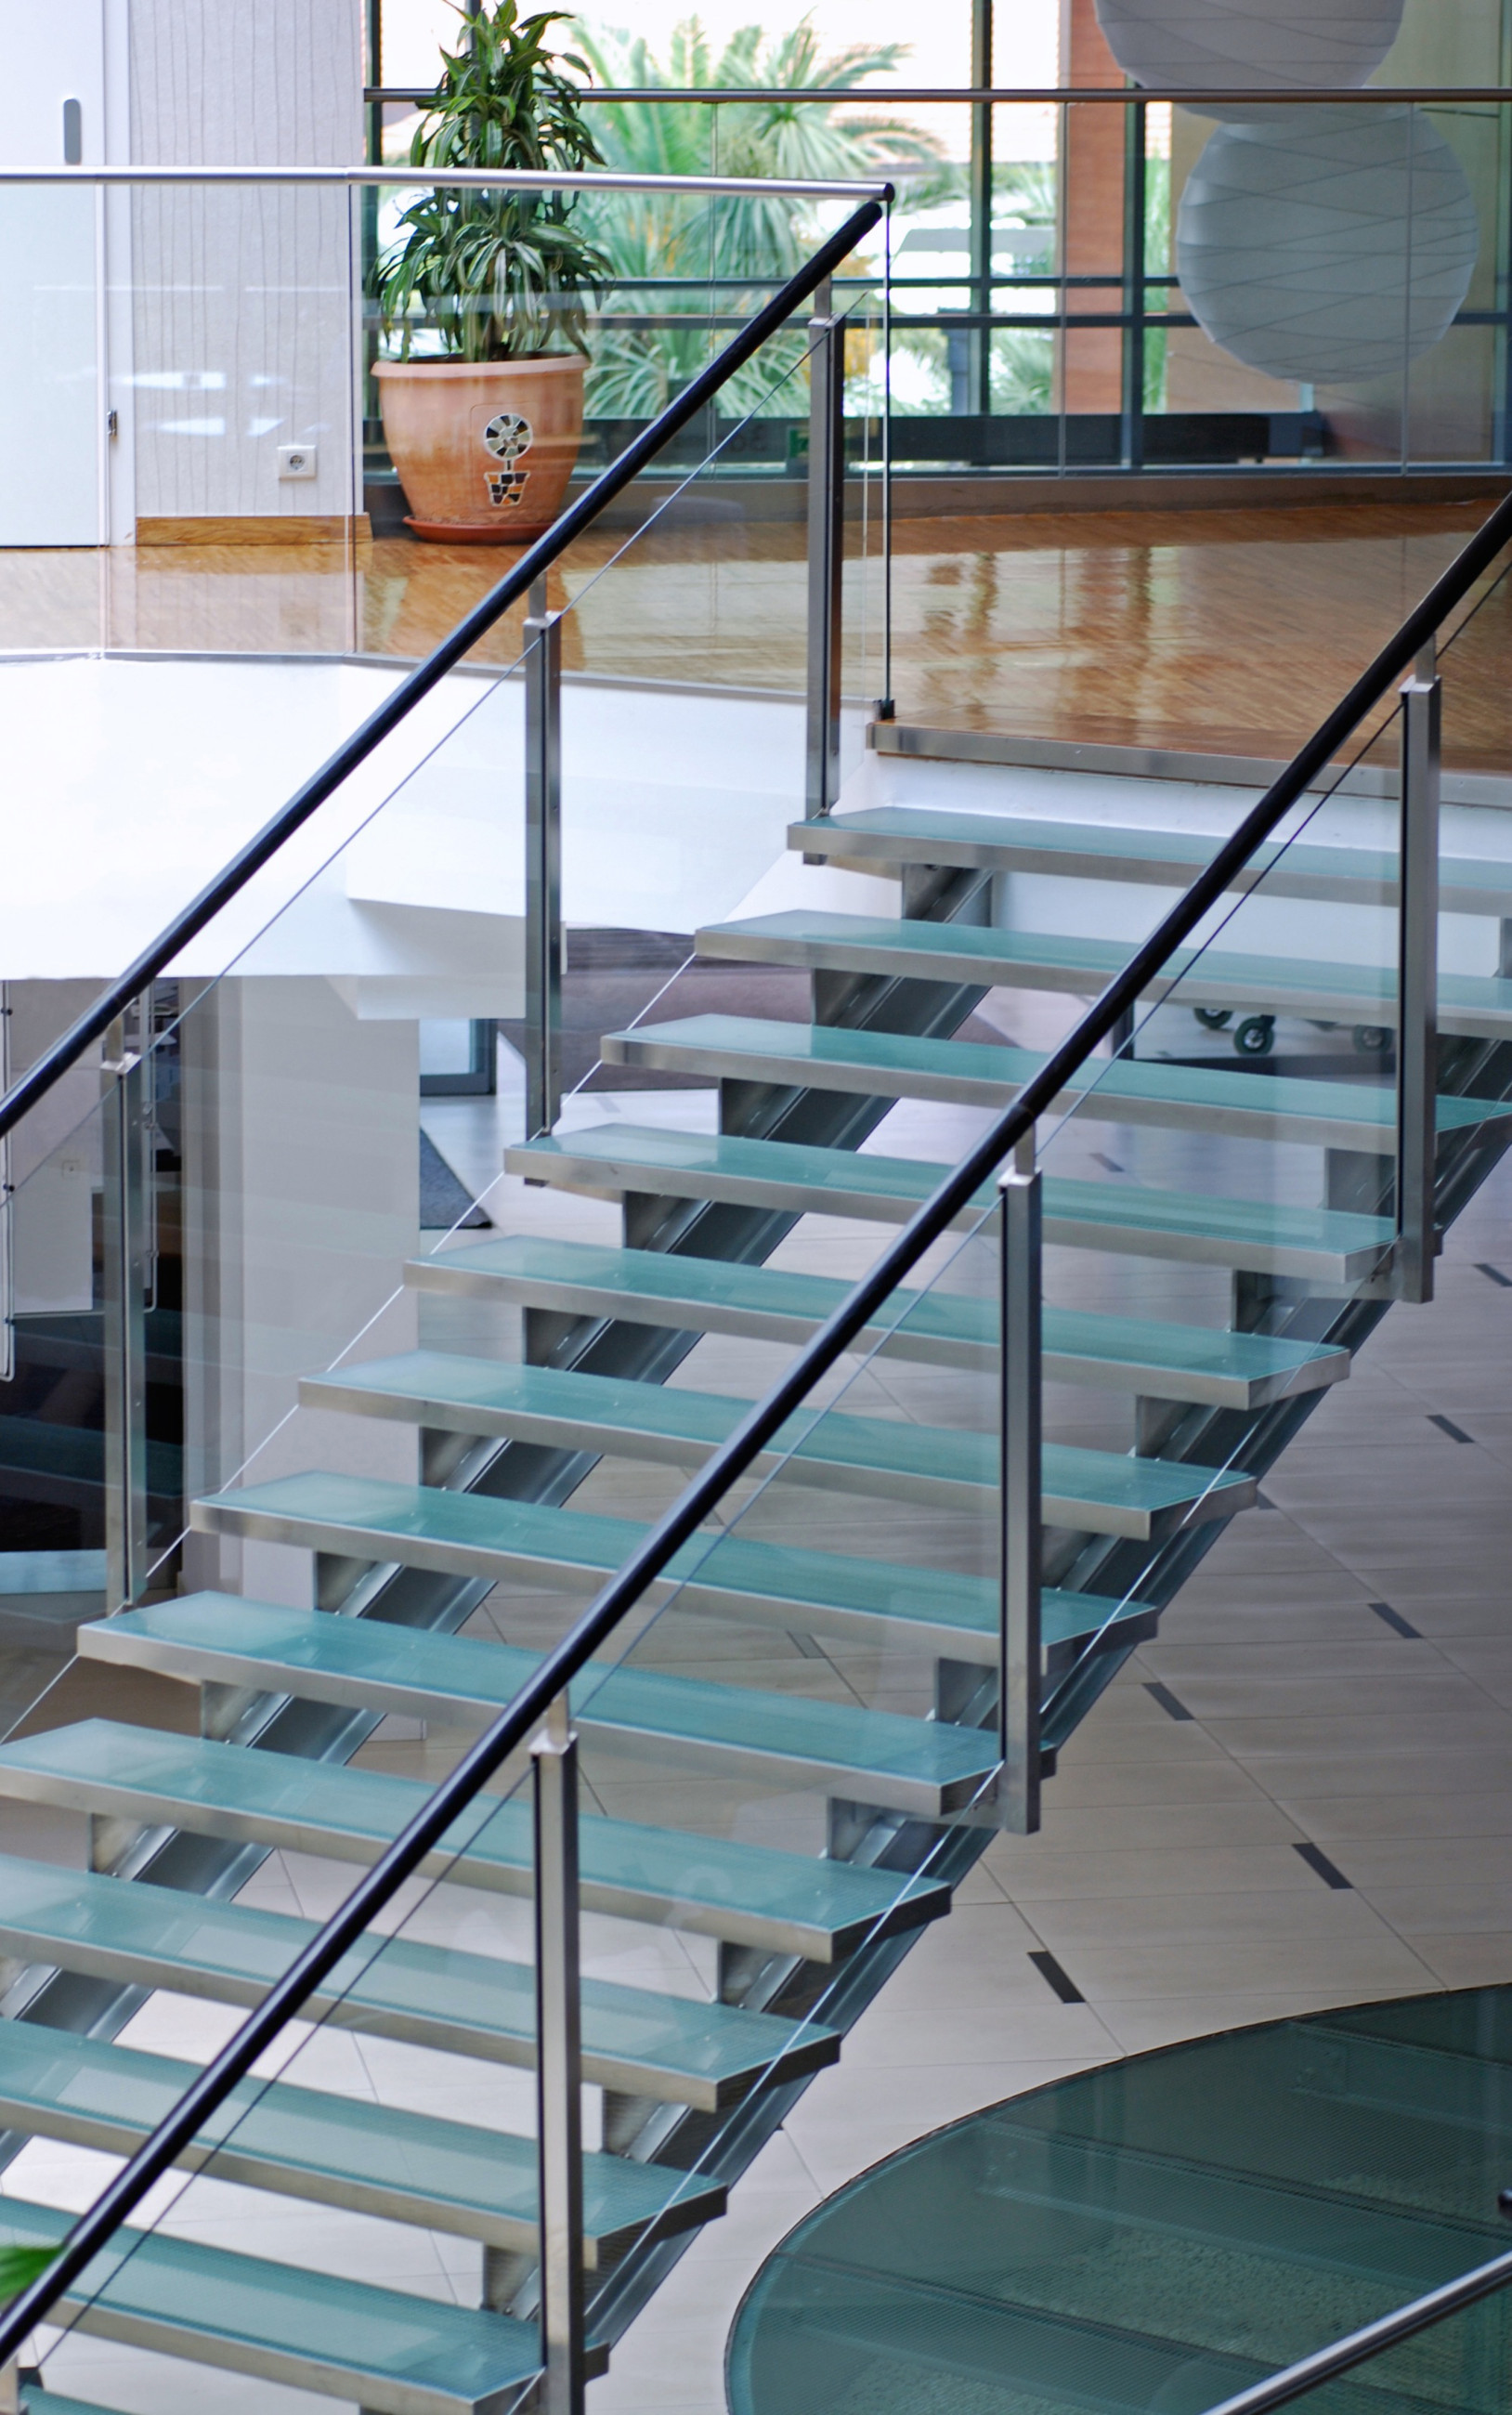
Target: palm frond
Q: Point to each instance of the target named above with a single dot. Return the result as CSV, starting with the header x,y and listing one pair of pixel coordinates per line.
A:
x,y
729,238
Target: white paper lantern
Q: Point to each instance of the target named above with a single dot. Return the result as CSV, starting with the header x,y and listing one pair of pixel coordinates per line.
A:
x,y
1330,247
1249,45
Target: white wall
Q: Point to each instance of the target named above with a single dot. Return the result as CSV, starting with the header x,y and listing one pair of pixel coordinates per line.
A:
x,y
52,407
242,330
301,1204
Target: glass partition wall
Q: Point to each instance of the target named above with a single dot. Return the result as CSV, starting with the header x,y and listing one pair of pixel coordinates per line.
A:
x,y
1117,283
221,401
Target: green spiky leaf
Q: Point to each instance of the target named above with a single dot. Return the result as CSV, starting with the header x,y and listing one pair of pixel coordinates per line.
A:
x,y
20,2266
500,276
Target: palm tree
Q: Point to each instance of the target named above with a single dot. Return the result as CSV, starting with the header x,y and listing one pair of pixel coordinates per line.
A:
x,y
667,254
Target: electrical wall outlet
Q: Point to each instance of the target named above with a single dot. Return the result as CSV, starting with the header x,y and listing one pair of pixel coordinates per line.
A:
x,y
296,460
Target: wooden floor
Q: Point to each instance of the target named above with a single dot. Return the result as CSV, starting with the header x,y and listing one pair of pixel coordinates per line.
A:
x,y
1232,631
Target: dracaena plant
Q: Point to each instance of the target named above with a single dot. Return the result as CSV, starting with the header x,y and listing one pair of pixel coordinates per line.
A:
x,y
500,276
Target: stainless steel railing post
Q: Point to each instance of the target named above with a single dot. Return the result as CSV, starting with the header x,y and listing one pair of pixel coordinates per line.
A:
x,y
124,1246
543,864
826,530
1417,1036
559,2064
1022,1537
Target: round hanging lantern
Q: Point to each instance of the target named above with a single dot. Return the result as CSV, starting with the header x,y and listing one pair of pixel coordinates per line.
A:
x,y
1329,248
1249,45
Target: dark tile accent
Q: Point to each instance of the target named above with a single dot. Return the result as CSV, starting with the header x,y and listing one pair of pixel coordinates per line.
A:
x,y
443,1201
1054,1977
1393,1618
1446,1425
1169,1704
1330,1873
1493,1274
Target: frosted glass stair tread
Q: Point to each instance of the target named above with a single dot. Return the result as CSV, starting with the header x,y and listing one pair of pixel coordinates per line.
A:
x,y
1105,1491
913,1764
1113,851
467,1534
1259,1234
346,2150
1184,1362
1474,1004
1350,2125
52,2402
1254,1105
1203,2208
749,1894
992,2357
1476,2023
397,2353
1389,2081
673,2048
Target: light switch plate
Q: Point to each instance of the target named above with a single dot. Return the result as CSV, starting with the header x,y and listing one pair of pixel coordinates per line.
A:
x,y
296,460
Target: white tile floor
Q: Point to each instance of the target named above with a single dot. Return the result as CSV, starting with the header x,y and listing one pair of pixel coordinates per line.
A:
x,y
1165,1879
1165,1882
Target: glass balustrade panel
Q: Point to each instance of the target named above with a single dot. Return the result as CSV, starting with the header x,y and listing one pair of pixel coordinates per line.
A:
x,y
1226,1206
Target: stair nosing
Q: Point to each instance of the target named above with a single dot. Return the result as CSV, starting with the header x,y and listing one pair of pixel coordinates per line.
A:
x,y
1068,1332
794,2049
236,2157
1261,1109
1082,1489
1077,1213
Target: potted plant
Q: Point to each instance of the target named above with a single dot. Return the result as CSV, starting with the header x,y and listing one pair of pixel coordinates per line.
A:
x,y
484,428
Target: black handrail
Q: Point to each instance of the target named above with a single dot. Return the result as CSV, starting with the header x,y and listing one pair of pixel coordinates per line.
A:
x,y
345,1930
533,564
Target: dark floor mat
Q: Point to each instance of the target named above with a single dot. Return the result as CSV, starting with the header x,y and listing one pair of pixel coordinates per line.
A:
x,y
444,1202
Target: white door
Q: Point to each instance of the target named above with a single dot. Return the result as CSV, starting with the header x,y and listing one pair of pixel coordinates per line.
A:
x,y
51,110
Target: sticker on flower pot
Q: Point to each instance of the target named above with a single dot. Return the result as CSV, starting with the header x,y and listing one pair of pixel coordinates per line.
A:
x,y
507,437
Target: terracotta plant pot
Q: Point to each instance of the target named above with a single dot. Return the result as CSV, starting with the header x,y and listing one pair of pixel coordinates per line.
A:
x,y
483,449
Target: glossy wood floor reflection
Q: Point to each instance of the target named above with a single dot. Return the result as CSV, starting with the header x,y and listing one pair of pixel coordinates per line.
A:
x,y
1230,631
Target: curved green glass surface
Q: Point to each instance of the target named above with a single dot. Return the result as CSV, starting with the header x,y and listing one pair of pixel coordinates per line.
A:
x,y
1160,2232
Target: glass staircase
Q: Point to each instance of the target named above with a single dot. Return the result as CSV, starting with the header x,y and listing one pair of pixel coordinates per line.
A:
x,y
405,1473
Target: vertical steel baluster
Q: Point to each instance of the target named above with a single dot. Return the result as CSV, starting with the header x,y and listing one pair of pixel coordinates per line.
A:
x,y
559,2064
1019,1644
826,525
543,865
1417,1039
885,708
1135,190
124,1227
980,218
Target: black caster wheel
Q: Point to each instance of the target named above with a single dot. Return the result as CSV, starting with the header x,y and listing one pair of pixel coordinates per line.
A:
x,y
1255,1036
1370,1040
1213,1018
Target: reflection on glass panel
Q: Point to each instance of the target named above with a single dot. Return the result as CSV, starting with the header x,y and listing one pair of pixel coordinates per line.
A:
x,y
792,44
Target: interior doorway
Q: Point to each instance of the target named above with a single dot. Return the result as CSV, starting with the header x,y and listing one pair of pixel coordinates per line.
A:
x,y
52,398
